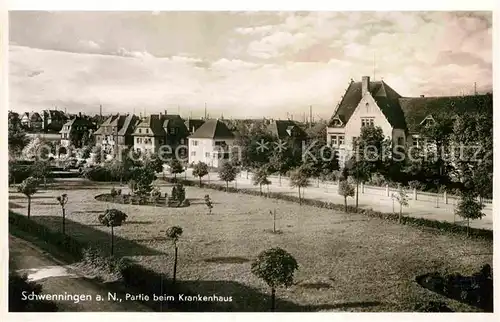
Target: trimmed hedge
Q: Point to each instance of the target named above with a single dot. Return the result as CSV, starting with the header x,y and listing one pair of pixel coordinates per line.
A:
x,y
133,276
442,226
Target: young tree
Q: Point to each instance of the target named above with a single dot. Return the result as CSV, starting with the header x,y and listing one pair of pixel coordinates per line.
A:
x,y
402,198
175,167
63,200
299,179
173,233
276,267
143,178
37,149
17,139
273,213
28,187
112,218
40,170
227,173
200,170
468,208
97,155
346,190
261,177
154,163
208,203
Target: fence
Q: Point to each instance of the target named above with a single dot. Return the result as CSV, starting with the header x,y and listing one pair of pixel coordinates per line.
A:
x,y
414,194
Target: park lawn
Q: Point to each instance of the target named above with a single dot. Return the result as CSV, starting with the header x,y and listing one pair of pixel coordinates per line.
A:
x,y
347,262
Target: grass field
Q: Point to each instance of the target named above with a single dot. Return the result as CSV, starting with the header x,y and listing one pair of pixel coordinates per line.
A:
x,y
346,262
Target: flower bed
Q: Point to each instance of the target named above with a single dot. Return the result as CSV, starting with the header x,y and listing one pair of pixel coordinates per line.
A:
x,y
143,201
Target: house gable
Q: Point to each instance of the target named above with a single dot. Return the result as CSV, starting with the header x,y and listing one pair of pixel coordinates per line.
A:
x,y
367,109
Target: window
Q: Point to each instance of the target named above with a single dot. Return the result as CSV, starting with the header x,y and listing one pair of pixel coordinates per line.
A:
x,y
367,121
367,107
337,140
147,130
193,153
400,140
139,140
173,130
416,141
160,141
182,141
207,154
140,131
195,143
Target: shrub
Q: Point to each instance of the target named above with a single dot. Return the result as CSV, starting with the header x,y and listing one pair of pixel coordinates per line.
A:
x,y
114,193
178,192
19,285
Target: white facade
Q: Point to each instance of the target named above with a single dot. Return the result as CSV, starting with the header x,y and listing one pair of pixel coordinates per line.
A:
x,y
209,151
367,113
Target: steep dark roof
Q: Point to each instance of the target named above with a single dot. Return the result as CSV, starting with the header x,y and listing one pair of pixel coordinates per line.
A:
x,y
416,109
35,117
107,122
316,130
196,123
128,125
279,128
212,129
385,97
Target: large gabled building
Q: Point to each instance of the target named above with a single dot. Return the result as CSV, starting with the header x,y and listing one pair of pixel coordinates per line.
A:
x,y
116,131
161,131
375,103
211,143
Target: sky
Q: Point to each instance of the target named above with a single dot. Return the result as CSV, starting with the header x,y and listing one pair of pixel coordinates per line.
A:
x,y
239,64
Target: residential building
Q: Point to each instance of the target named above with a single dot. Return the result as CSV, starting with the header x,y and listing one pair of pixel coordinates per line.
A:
x,y
116,131
211,143
161,130
53,120
76,128
286,129
374,103
36,122
193,124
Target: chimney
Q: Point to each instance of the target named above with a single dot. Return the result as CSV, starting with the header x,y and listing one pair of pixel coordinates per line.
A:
x,y
80,114
165,112
365,85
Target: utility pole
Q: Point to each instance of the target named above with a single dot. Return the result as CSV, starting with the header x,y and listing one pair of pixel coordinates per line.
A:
x,y
475,88
310,115
205,111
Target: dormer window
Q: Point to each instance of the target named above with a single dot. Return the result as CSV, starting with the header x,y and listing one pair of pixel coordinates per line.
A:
x,y
289,130
429,120
140,131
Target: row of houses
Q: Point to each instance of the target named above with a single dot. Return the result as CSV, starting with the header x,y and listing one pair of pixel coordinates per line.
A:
x,y
202,140
45,121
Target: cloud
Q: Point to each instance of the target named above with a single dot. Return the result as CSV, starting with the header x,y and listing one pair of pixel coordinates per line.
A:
x,y
134,54
88,45
259,30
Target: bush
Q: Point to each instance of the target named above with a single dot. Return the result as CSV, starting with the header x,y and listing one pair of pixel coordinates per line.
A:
x,y
114,193
17,286
178,193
